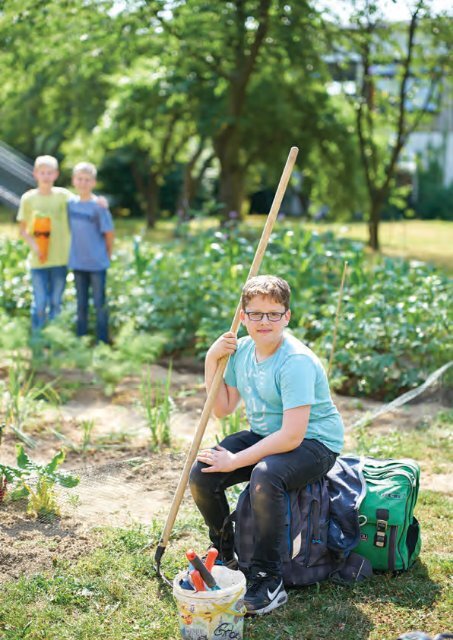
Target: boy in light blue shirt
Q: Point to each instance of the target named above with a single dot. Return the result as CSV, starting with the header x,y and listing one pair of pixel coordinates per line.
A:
x,y
91,249
295,433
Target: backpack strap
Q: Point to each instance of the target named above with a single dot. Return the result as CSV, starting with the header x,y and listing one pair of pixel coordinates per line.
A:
x,y
382,519
354,568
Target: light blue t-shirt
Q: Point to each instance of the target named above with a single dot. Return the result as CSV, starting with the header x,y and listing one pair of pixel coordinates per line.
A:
x,y
88,222
291,377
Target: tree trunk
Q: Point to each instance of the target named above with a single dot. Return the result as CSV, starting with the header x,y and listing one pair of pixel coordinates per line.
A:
x,y
232,174
183,205
148,192
231,191
151,200
373,225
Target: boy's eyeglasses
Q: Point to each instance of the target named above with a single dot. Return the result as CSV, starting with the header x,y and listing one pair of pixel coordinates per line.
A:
x,y
272,316
42,234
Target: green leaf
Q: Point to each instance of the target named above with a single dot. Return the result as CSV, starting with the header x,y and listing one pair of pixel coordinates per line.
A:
x,y
22,459
67,480
55,462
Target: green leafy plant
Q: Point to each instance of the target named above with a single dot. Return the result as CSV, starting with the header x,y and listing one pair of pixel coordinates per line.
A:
x,y
158,406
87,429
232,424
37,482
394,327
22,396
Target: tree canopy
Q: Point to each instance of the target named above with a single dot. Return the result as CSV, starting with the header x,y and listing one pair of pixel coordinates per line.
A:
x,y
173,88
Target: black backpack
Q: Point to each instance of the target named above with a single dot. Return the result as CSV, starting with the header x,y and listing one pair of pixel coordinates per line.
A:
x,y
321,529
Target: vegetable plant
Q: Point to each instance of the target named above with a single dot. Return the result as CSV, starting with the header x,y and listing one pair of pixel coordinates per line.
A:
x,y
180,295
37,482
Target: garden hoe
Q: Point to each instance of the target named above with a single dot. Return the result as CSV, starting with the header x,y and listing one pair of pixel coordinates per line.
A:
x,y
254,269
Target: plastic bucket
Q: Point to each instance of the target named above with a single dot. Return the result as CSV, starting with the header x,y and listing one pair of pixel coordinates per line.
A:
x,y
206,615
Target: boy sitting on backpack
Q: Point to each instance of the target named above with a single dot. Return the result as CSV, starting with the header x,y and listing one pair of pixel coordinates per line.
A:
x,y
296,433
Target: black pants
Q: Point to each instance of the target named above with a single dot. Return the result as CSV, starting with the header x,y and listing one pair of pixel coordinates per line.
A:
x,y
269,479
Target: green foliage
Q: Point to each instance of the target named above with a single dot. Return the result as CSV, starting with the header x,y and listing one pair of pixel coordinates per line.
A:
x,y
403,66
434,199
14,288
158,406
422,442
62,349
393,330
178,85
37,482
21,396
233,423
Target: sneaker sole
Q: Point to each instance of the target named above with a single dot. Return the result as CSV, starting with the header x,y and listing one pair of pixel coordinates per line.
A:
x,y
280,600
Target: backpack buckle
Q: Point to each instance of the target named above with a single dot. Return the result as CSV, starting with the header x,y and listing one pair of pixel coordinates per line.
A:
x,y
380,538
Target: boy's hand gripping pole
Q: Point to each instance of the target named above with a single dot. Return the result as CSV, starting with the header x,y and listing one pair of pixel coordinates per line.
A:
x,y
254,269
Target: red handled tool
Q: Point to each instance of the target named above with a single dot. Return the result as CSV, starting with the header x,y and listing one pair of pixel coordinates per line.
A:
x,y
197,580
210,559
204,572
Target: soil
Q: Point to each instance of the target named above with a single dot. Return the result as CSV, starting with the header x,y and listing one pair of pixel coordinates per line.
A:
x,y
122,482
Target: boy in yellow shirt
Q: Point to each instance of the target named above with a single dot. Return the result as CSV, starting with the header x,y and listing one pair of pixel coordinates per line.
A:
x,y
43,222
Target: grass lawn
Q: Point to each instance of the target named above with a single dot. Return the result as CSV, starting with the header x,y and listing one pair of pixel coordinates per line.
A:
x,y
426,240
112,593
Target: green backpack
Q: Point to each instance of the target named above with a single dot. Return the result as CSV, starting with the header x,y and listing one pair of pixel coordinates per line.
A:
x,y
390,534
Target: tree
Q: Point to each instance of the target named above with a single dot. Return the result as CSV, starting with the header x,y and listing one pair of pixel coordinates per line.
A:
x,y
402,66
169,85
54,85
148,118
253,41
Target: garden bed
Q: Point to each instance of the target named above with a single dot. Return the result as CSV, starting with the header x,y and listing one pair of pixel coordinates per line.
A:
x,y
123,483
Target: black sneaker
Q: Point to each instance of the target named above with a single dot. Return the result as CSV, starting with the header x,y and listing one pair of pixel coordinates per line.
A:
x,y
264,593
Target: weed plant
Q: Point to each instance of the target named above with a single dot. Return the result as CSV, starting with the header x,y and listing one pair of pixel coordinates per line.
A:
x,y
87,427
107,365
233,423
22,397
158,406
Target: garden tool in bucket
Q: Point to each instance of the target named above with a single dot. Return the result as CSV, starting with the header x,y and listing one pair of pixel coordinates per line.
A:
x,y
41,234
214,614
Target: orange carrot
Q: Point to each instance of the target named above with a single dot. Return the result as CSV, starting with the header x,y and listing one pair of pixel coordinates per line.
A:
x,y
41,233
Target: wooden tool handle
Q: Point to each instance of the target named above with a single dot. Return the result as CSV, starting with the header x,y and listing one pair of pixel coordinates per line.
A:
x,y
179,493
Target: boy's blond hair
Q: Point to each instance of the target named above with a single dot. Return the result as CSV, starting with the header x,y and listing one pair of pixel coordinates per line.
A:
x,y
267,286
47,161
85,167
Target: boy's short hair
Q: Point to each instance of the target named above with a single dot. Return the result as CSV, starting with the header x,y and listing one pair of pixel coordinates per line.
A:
x,y
268,286
85,167
48,161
